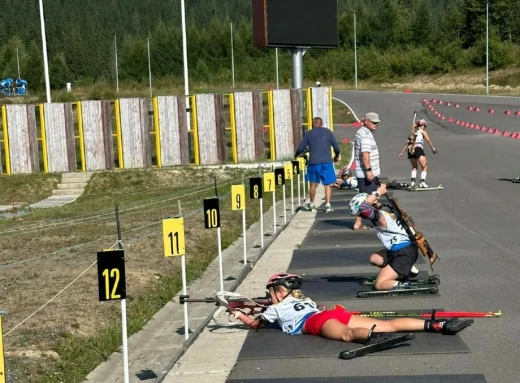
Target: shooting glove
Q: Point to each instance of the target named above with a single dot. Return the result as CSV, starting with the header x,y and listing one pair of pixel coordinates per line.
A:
x,y
435,150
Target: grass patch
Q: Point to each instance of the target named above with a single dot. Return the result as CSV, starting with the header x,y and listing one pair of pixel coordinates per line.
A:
x,y
27,188
75,333
346,152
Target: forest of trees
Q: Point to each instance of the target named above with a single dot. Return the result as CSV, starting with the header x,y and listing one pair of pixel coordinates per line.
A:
x,y
394,38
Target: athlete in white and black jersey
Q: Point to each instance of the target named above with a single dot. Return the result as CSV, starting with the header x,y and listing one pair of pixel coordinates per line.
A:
x,y
416,151
397,259
296,314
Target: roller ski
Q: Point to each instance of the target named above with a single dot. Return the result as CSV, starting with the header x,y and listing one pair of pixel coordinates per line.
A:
x,y
377,342
425,187
403,288
434,280
513,180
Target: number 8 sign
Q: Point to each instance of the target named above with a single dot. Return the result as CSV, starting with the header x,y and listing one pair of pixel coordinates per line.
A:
x,y
173,237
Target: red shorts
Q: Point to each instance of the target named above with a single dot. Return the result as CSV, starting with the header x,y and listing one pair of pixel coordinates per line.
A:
x,y
315,322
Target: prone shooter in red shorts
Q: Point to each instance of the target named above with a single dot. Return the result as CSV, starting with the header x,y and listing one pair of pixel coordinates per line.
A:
x,y
296,314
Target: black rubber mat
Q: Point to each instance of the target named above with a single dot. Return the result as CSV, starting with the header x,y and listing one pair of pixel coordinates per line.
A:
x,y
338,213
338,287
338,223
274,344
452,378
334,257
340,238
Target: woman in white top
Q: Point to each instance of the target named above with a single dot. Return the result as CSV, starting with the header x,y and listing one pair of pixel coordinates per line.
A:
x,y
295,314
400,253
415,146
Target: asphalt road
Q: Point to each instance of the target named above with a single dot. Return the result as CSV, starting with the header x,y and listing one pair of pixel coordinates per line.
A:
x,y
472,224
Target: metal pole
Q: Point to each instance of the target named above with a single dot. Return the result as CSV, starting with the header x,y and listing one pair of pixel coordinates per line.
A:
x,y
487,47
150,68
115,54
277,73
185,65
18,61
355,50
184,50
297,67
45,60
232,56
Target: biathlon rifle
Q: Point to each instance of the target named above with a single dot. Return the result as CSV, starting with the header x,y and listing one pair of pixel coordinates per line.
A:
x,y
411,146
231,301
416,236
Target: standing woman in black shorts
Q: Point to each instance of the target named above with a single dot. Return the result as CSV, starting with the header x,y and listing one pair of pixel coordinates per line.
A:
x,y
416,151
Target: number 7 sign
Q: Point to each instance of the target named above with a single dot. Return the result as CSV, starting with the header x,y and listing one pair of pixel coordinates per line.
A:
x,y
173,237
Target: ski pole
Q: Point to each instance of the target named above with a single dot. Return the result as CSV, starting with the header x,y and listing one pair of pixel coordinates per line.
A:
x,y
438,314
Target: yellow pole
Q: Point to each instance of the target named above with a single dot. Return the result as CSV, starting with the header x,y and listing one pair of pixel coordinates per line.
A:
x,y
233,127
157,131
308,96
81,137
118,133
2,364
44,139
6,141
195,130
271,125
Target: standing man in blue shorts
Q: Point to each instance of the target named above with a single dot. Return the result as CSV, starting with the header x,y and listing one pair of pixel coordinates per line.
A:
x,y
319,140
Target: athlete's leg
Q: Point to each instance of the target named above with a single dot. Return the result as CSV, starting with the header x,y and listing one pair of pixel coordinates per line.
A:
x,y
413,162
424,166
386,279
391,325
312,191
378,259
334,329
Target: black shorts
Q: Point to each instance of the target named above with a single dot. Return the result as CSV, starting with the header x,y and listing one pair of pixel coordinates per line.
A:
x,y
417,153
402,260
366,186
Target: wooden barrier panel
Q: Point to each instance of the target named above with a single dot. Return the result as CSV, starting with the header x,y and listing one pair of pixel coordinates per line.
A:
x,y
321,105
283,127
207,130
258,115
59,137
296,110
97,135
23,139
245,126
170,131
135,132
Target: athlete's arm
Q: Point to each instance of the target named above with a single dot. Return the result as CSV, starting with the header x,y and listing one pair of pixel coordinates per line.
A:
x,y
404,147
247,320
425,135
368,211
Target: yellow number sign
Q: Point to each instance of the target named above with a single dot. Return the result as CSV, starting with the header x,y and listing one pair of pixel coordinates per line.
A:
x,y
238,197
173,237
301,161
268,182
288,171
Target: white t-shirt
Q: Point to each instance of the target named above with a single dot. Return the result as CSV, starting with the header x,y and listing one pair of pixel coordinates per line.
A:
x,y
419,138
364,142
393,235
290,314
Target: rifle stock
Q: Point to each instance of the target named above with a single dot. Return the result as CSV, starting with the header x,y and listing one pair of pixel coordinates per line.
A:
x,y
416,236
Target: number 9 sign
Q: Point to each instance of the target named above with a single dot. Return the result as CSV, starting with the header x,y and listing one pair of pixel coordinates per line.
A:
x,y
238,197
173,237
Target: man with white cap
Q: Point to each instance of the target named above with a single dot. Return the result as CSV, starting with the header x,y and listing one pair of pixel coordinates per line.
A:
x,y
366,157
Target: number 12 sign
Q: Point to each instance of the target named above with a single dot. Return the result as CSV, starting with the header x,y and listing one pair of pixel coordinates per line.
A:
x,y
173,237
111,275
